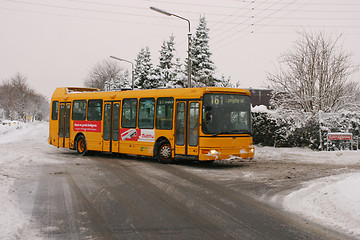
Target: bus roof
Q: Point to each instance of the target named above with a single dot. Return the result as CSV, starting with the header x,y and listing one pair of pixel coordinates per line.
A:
x,y
82,92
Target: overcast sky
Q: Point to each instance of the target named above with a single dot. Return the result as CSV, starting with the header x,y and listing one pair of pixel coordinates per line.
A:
x,y
54,43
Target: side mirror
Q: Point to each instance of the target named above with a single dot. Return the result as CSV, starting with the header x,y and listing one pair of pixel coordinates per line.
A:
x,y
208,117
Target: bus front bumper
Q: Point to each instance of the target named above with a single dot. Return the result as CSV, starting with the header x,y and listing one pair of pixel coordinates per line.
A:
x,y
209,154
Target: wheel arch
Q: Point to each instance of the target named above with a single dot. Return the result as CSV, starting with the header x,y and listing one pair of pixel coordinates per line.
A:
x,y
75,139
77,135
157,143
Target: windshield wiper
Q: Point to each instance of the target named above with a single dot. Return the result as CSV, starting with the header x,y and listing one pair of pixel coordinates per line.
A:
x,y
232,131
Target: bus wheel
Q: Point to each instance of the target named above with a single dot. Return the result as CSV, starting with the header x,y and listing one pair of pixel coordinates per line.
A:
x,y
81,145
164,152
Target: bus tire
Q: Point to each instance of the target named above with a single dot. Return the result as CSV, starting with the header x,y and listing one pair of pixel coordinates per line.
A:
x,y
164,152
81,145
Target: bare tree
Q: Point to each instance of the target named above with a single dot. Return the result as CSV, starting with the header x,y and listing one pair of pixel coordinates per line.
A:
x,y
5,101
17,96
20,101
314,75
106,75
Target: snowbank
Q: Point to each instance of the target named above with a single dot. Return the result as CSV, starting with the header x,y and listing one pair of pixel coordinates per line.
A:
x,y
13,222
19,131
306,155
333,201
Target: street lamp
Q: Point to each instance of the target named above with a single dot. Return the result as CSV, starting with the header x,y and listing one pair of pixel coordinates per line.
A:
x,y
132,68
189,38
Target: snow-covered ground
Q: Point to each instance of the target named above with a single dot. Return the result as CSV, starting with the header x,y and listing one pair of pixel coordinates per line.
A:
x,y
14,224
333,201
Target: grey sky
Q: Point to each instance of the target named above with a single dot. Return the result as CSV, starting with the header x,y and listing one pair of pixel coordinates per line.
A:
x,y
55,42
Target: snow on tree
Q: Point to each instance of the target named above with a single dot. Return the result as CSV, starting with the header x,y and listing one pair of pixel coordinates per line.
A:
x,y
166,61
145,75
314,76
291,128
202,67
226,82
179,78
20,102
112,85
169,69
127,79
107,76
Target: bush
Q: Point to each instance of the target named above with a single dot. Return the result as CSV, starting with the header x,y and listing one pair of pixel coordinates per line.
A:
x,y
297,129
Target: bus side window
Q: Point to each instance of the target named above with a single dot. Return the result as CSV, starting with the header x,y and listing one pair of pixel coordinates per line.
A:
x,y
94,110
164,113
79,110
129,112
146,113
55,110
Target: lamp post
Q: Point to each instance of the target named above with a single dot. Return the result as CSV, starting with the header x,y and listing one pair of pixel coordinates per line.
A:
x,y
189,38
132,68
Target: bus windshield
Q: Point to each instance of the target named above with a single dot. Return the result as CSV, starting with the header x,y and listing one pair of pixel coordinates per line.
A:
x,y
226,114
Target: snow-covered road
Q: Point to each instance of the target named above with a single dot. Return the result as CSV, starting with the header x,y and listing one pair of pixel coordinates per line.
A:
x,y
333,201
14,224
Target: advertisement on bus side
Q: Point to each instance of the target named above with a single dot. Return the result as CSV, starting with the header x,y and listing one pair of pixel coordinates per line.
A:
x,y
142,135
87,126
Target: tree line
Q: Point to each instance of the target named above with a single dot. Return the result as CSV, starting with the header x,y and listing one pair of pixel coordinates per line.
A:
x,y
170,72
19,102
312,96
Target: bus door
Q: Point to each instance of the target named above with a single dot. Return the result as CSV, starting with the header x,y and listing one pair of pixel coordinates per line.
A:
x,y
111,126
64,124
187,127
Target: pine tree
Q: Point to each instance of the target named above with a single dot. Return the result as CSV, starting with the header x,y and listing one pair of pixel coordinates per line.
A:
x,y
166,61
179,78
169,69
145,76
127,80
202,67
226,82
114,84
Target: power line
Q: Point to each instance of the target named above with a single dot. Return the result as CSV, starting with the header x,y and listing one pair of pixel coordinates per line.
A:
x,y
244,35
194,4
233,14
228,26
252,1
81,9
232,34
88,18
157,17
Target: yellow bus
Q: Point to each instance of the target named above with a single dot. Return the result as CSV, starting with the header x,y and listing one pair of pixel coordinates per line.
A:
x,y
205,124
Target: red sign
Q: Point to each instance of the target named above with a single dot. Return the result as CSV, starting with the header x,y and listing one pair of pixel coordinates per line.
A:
x,y
142,135
129,134
87,126
340,136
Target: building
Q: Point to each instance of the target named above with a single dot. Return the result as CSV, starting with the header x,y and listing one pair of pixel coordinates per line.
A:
x,y
260,97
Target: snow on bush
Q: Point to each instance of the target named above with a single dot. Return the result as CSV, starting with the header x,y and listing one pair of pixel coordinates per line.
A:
x,y
300,129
